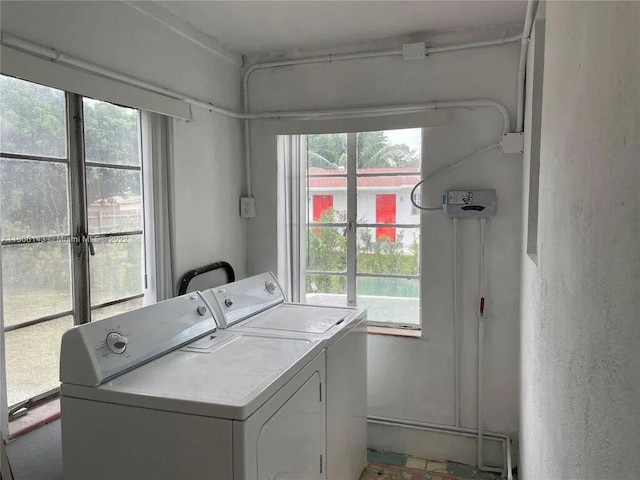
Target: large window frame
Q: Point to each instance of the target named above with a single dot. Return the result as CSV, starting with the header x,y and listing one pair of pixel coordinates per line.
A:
x,y
78,238
351,226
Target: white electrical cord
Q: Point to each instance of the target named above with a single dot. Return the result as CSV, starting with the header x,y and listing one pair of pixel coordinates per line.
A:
x,y
445,169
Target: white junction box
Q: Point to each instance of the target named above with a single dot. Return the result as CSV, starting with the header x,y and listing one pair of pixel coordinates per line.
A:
x,y
470,203
512,143
414,51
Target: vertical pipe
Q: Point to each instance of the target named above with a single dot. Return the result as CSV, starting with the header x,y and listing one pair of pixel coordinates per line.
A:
x,y
247,157
522,67
456,353
480,344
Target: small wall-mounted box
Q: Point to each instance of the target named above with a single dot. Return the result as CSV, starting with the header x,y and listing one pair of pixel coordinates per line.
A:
x,y
414,51
247,207
470,203
512,143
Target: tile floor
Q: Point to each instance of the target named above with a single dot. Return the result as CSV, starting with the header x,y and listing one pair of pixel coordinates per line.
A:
x,y
393,466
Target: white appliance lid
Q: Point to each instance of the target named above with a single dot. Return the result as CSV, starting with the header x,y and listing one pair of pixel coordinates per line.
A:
x,y
299,318
223,375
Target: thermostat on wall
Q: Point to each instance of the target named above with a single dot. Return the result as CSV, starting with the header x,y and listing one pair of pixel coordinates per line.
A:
x,y
470,203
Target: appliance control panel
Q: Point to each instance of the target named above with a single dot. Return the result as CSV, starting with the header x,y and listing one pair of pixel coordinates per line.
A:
x,y
234,302
95,352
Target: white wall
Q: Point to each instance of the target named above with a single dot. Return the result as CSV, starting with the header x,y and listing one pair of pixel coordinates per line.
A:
x,y
207,151
413,378
581,328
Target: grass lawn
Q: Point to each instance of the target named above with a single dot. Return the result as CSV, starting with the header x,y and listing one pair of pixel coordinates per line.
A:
x,y
33,353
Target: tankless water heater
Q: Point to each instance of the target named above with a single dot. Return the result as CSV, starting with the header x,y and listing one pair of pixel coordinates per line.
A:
x,y
470,203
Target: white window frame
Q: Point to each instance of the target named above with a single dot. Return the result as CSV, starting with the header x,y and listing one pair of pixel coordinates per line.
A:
x,y
351,227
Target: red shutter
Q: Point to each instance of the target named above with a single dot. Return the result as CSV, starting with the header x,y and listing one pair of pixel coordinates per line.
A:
x,y
386,213
321,203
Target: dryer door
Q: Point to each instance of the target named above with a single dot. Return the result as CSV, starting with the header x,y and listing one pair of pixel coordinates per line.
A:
x,y
290,444
285,438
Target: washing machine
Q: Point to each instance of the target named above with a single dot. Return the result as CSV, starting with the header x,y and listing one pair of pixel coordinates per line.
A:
x,y
256,305
162,393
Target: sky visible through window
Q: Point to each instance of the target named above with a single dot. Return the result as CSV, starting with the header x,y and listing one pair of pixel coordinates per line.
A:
x,y
411,137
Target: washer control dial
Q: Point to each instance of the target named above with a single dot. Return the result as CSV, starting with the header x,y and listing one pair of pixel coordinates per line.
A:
x,y
228,302
116,342
202,310
269,286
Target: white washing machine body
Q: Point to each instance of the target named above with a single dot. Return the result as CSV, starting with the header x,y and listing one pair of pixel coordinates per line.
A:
x,y
158,393
256,305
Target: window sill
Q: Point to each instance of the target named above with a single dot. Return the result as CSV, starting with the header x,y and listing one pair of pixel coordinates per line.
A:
x,y
35,418
394,332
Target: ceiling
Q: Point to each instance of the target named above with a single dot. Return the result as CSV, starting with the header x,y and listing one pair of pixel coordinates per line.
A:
x,y
275,26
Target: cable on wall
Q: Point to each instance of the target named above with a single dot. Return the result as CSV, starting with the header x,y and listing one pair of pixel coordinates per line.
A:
x,y
441,171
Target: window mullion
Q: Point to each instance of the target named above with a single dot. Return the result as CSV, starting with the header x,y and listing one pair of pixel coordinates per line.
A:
x,y
352,203
299,171
79,222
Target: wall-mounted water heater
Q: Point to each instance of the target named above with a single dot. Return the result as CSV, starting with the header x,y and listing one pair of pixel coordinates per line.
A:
x,y
470,203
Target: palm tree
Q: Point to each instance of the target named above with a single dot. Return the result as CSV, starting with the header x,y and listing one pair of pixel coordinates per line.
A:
x,y
329,151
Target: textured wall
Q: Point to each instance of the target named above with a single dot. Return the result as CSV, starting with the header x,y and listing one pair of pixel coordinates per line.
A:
x,y
581,335
413,378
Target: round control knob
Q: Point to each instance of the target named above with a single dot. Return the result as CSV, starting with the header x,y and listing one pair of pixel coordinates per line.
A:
x,y
270,287
116,342
228,302
202,310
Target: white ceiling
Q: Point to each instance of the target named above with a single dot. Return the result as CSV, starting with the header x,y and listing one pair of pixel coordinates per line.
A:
x,y
275,26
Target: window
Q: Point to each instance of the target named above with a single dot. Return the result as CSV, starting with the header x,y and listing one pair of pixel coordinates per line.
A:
x,y
72,223
362,238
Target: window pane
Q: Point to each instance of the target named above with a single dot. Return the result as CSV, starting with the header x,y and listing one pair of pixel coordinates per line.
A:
x,y
36,281
33,358
389,151
116,268
327,154
378,253
326,290
387,199
106,312
33,120
393,300
326,249
111,133
34,198
114,203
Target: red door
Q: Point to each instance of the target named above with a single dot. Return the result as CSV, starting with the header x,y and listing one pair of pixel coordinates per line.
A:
x,y
321,204
386,213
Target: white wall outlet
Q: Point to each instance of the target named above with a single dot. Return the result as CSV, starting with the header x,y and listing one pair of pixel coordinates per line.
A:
x,y
247,207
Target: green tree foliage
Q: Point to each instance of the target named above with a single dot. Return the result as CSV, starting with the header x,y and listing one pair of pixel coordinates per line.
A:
x,y
329,151
33,119
327,252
